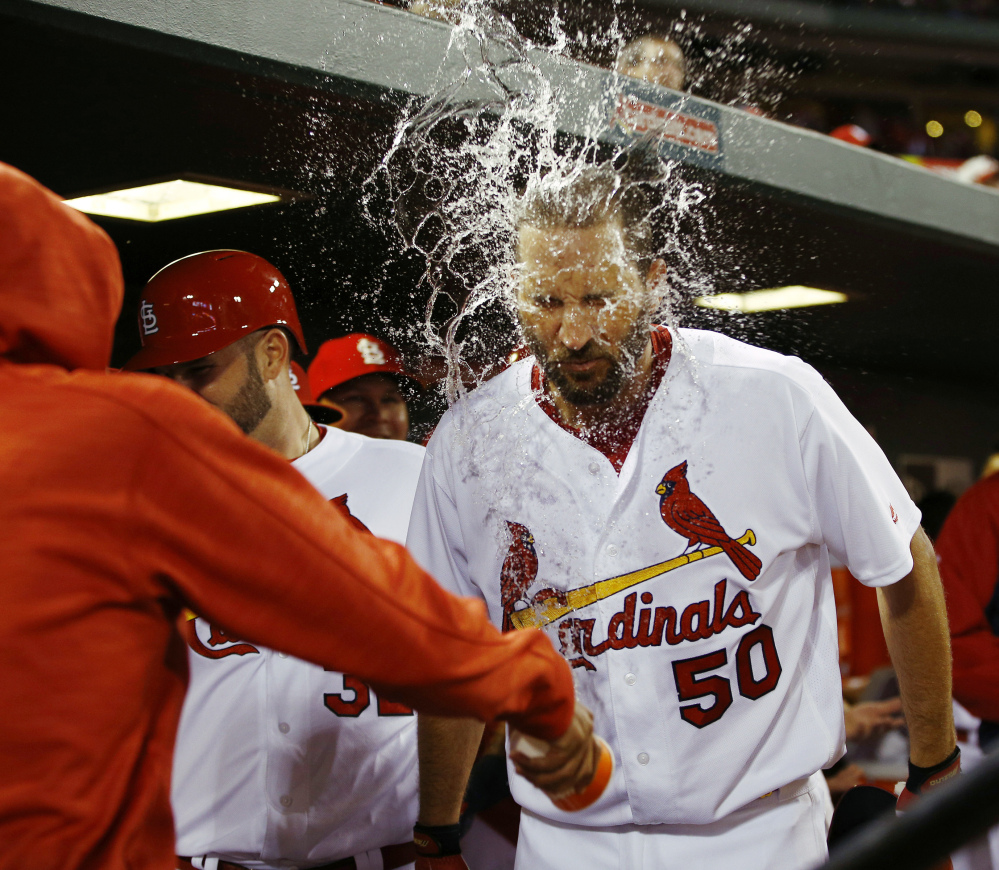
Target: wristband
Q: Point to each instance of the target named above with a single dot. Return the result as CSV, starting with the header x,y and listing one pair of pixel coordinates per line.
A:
x,y
437,840
921,778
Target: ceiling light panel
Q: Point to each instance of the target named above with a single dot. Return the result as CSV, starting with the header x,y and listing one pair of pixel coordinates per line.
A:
x,y
169,200
776,299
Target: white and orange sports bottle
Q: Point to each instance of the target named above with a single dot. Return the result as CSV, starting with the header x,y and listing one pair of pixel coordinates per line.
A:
x,y
571,803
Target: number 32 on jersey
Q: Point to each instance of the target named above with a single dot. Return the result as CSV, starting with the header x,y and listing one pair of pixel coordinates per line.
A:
x,y
355,698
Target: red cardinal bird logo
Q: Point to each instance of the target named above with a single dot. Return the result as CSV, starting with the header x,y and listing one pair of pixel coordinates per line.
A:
x,y
519,571
687,515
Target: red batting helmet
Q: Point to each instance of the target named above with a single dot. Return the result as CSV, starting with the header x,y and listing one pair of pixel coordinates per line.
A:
x,y
204,302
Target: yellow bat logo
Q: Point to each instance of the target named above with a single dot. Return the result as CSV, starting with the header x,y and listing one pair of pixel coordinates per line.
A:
x,y
551,609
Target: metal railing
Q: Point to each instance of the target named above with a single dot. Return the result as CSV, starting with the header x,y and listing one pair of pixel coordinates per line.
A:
x,y
936,826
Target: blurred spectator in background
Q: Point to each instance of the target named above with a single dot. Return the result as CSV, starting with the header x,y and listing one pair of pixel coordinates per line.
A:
x,y
979,170
991,465
442,10
852,133
364,378
968,553
654,59
866,721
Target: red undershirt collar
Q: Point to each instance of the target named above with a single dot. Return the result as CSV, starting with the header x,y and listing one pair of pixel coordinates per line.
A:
x,y
614,445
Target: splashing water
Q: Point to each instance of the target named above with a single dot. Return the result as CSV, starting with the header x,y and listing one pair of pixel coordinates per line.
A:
x,y
447,186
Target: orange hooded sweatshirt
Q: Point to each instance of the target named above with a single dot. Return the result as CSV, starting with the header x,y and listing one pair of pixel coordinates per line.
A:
x,y
125,497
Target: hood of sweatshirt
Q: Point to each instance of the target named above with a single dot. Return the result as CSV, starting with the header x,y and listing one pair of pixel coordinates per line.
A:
x,y
60,279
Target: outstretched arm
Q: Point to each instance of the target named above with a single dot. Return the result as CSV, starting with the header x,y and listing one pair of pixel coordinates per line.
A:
x,y
251,545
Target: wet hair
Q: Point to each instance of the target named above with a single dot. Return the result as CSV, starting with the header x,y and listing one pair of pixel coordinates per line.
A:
x,y
587,197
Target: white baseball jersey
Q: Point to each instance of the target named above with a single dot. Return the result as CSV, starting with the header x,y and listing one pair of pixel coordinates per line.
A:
x,y
692,591
279,763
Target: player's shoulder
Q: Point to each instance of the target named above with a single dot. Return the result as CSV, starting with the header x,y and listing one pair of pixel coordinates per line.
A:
x,y
381,451
713,350
491,407
385,450
504,390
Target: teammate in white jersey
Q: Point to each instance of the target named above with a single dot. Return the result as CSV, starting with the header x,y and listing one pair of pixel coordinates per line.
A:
x,y
279,763
664,504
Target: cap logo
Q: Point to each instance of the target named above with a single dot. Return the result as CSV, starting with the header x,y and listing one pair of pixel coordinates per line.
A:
x,y
148,318
295,385
371,353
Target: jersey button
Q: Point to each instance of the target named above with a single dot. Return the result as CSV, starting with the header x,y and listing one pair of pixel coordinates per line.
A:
x,y
643,757
630,679
284,727
282,655
611,550
286,800
594,468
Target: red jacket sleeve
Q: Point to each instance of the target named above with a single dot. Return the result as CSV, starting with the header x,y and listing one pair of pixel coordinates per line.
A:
x,y
252,546
968,551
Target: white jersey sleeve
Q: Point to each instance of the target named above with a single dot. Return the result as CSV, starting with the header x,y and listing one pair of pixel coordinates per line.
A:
x,y
435,533
862,511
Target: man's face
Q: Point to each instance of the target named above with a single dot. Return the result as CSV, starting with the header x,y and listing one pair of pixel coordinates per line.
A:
x,y
372,405
583,308
655,60
229,379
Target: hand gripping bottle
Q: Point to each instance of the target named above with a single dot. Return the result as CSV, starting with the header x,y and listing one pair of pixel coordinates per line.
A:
x,y
534,748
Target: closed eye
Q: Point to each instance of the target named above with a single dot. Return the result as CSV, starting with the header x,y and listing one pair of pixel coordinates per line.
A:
x,y
546,303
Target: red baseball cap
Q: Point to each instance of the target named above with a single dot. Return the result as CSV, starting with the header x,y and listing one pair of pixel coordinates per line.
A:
x,y
342,359
852,133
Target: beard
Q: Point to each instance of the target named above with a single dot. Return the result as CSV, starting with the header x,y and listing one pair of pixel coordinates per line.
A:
x,y
250,405
592,389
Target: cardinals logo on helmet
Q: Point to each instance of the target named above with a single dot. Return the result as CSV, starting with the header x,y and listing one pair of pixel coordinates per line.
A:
x,y
148,318
690,517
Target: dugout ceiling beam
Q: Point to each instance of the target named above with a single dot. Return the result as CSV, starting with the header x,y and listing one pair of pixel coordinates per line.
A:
x,y
893,24
360,48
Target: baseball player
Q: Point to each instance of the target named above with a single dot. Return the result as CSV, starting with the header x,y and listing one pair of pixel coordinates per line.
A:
x,y
125,498
364,377
664,503
267,742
